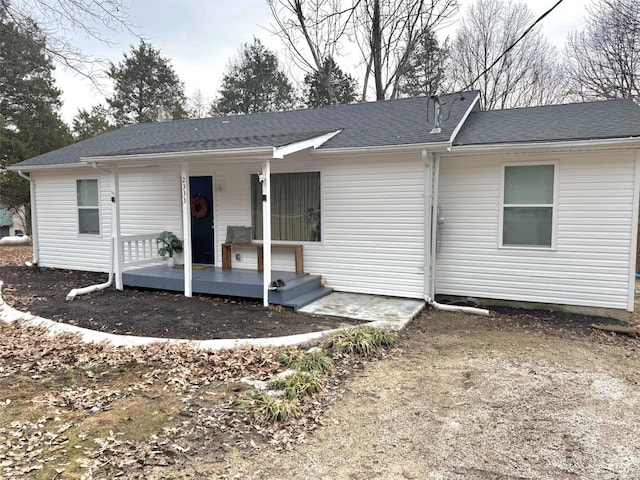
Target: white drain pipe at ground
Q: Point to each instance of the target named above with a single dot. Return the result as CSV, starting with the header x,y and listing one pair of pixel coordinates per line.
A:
x,y
101,286
435,224
456,308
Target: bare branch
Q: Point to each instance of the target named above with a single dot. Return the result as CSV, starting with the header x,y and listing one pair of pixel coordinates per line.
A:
x,y
603,61
527,74
60,19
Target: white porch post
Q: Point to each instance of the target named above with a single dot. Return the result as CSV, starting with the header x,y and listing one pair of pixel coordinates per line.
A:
x,y
266,229
186,230
118,259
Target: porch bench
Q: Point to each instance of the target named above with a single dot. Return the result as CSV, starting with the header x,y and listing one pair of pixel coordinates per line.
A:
x,y
226,254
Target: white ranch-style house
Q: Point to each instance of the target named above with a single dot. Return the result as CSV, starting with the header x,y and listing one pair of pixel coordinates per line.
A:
x,y
396,198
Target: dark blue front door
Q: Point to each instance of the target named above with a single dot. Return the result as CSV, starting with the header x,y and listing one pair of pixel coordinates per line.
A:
x,y
202,219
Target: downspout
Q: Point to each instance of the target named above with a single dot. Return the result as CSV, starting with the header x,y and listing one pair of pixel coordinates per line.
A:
x,y
429,298
117,263
94,288
34,218
112,249
266,231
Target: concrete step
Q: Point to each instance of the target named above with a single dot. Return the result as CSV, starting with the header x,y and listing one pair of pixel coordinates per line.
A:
x,y
306,298
294,288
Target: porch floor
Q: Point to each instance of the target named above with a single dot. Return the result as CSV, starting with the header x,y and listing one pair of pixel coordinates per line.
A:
x,y
236,282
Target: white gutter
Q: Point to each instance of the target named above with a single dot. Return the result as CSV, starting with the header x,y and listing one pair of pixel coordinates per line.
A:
x,y
380,150
631,142
34,219
94,288
37,168
259,152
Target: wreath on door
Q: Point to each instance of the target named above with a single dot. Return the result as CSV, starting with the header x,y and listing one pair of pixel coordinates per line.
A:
x,y
199,207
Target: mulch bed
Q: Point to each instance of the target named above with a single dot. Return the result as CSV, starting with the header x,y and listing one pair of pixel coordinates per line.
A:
x,y
152,313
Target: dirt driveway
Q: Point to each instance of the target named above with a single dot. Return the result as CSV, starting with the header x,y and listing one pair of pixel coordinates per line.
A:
x,y
474,398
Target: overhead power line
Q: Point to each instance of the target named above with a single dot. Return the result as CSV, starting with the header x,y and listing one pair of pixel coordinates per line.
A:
x,y
513,44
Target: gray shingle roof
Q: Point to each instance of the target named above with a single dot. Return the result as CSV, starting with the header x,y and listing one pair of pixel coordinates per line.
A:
x,y
575,121
385,123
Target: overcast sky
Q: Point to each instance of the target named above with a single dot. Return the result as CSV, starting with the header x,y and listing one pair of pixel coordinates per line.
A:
x,y
201,36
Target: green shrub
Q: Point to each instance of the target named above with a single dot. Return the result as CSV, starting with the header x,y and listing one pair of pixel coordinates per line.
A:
x,y
315,361
267,407
361,341
297,385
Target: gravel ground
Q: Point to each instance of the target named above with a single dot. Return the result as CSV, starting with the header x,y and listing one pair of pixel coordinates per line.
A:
x,y
466,397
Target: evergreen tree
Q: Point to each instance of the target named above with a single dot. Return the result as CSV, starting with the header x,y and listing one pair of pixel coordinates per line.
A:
x,y
424,73
147,89
254,83
29,103
90,123
317,94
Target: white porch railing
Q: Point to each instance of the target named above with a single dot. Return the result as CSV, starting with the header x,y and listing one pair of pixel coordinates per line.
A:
x,y
140,249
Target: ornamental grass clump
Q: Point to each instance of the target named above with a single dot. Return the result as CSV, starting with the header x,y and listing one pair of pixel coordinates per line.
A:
x,y
360,341
266,407
313,361
297,385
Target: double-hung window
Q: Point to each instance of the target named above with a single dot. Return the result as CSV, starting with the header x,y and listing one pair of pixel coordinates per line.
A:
x,y
88,206
295,207
528,205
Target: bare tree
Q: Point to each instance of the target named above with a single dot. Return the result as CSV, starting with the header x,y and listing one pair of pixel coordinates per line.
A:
x,y
312,31
385,32
59,19
197,104
527,75
389,31
604,59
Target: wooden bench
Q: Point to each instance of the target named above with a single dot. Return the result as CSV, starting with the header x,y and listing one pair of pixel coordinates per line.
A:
x,y
226,254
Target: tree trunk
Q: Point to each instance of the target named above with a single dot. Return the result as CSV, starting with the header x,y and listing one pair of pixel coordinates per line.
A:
x,y
376,43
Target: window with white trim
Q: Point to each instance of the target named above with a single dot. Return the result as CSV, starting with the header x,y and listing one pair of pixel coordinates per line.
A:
x,y
528,204
295,207
88,206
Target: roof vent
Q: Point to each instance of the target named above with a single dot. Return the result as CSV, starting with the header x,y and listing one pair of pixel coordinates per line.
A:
x,y
437,114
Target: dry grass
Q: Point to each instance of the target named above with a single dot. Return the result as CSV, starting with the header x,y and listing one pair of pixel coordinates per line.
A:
x,y
15,255
69,409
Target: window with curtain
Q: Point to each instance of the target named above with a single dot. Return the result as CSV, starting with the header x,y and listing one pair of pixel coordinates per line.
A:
x,y
528,203
295,207
88,206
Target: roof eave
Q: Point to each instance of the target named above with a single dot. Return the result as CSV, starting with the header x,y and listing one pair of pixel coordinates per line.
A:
x,y
235,153
36,168
595,144
381,150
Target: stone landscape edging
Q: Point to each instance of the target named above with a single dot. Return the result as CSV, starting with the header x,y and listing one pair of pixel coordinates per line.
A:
x,y
8,314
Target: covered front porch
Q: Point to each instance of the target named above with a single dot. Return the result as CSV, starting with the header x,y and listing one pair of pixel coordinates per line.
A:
x,y
227,174
298,289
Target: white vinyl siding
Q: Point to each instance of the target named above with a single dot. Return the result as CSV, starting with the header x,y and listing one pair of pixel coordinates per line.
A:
x,y
372,220
590,264
150,201
60,244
